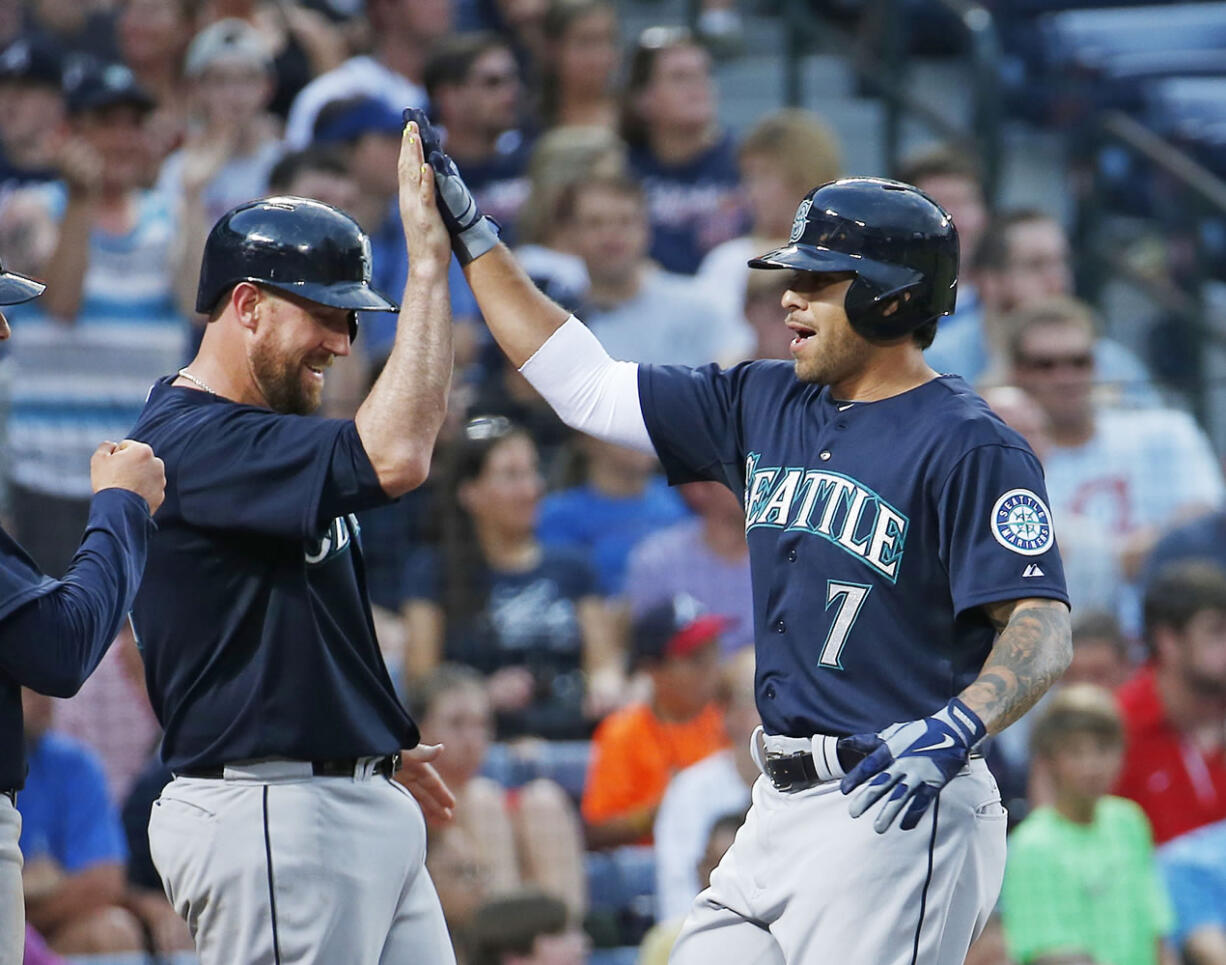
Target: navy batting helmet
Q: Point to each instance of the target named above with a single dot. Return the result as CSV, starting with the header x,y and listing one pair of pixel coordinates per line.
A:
x,y
295,245
15,288
901,246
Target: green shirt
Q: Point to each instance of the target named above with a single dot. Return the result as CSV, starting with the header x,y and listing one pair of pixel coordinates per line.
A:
x,y
1091,888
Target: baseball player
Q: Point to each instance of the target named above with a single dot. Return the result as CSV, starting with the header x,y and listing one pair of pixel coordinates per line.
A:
x,y
282,837
53,633
908,594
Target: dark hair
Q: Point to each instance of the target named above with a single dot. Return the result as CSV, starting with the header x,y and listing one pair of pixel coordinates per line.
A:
x,y
1076,709
464,588
1180,591
926,333
993,251
511,924
443,679
942,161
315,158
453,57
652,42
1099,625
620,184
559,17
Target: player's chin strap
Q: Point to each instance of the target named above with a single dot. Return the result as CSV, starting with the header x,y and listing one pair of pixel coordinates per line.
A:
x,y
823,748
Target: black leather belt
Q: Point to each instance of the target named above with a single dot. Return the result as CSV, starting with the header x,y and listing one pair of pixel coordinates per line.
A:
x,y
387,765
790,773
798,772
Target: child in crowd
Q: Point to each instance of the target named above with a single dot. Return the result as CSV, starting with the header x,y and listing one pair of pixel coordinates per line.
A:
x,y
1081,885
637,749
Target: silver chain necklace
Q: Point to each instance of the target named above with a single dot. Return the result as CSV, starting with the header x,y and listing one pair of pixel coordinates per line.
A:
x,y
200,382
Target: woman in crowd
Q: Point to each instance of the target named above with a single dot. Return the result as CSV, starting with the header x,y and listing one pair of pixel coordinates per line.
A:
x,y
582,63
528,836
529,617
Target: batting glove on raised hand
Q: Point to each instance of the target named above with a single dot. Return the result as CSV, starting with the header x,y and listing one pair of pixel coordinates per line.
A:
x,y
472,233
909,763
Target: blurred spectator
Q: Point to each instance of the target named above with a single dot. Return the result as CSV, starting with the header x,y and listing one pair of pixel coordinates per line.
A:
x,y
531,835
990,947
474,90
73,26
73,844
111,714
232,141
562,158
686,163
699,795
1100,652
705,557
765,314
583,59
1175,707
1025,258
526,928
1081,879
636,750
1195,868
1087,549
637,310
404,32
37,952
88,352
318,172
301,42
782,158
951,176
461,876
529,616
1133,472
621,501
658,943
153,38
1200,538
31,113
369,133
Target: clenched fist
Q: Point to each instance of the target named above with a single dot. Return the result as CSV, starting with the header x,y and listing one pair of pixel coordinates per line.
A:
x,y
129,465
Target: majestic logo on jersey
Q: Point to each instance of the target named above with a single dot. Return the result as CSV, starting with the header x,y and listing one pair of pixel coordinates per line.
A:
x,y
1020,522
826,504
798,223
335,540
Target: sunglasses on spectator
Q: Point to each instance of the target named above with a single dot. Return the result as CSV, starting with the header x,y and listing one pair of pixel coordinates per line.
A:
x,y
1049,363
494,80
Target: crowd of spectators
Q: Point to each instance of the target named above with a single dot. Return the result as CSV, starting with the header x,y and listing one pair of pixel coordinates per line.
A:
x,y
577,634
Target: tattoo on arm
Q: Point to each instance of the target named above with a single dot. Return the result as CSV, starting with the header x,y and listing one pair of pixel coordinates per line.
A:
x,y
1033,649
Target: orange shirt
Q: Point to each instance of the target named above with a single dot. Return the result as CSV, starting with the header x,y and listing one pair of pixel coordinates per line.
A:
x,y
635,754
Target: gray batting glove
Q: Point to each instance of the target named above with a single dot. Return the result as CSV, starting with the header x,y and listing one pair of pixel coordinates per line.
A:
x,y
472,233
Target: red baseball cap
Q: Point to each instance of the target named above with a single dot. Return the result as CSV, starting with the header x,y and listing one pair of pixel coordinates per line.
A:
x,y
675,628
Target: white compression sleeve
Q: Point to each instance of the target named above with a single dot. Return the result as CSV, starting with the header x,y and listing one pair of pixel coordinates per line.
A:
x,y
589,390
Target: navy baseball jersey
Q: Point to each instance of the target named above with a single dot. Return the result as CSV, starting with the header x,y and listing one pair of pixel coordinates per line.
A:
x,y
253,616
876,531
53,633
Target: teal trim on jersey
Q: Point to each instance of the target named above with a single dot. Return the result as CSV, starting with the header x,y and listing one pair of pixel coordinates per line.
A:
x,y
838,508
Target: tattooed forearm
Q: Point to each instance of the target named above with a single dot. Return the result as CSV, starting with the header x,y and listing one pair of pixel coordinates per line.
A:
x,y
1033,649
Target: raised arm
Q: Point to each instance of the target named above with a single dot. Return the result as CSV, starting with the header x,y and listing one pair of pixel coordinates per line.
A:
x,y
1033,649
401,417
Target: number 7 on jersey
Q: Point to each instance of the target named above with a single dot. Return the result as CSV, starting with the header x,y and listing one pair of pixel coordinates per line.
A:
x,y
847,598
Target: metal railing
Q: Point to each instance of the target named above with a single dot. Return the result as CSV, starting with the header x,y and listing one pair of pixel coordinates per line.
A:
x,y
1196,193
881,62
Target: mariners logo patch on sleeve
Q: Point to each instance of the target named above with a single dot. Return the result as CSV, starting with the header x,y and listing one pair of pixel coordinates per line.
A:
x,y
1021,522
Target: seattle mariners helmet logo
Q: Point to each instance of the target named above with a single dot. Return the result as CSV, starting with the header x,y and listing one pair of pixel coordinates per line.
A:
x,y
1021,522
798,223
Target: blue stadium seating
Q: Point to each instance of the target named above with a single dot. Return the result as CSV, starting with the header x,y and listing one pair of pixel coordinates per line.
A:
x,y
513,765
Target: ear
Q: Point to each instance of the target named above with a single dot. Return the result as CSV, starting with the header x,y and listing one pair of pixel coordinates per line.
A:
x,y
247,301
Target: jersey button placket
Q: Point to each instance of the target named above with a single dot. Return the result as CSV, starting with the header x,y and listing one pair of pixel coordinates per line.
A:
x,y
824,455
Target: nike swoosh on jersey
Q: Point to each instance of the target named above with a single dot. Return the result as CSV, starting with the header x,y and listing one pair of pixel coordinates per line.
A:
x,y
944,742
